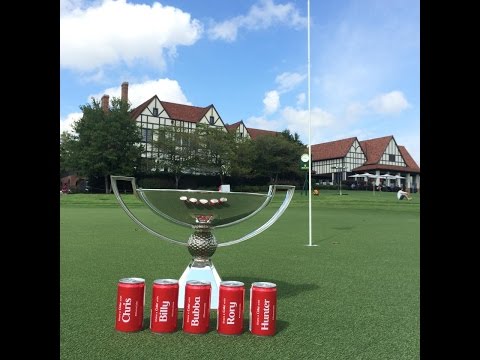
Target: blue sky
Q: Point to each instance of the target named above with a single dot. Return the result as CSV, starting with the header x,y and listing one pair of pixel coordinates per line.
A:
x,y
249,59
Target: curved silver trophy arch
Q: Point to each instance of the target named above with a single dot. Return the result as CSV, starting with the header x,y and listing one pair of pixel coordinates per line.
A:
x,y
203,211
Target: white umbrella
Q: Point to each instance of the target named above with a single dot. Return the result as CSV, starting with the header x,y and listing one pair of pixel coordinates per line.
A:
x,y
355,176
388,176
367,175
399,177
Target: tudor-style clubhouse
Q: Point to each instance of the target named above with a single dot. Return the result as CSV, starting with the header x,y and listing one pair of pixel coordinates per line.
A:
x,y
380,159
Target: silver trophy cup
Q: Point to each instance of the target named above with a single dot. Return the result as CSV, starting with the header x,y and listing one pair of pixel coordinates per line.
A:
x,y
203,211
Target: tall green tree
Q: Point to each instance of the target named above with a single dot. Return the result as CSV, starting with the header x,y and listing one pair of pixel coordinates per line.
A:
x,y
243,158
217,151
275,156
292,137
178,150
107,142
67,143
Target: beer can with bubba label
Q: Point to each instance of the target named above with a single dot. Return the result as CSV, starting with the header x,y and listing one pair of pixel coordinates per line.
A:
x,y
196,308
230,308
164,309
263,308
130,304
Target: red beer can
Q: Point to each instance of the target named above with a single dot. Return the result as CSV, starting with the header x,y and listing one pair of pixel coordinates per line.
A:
x,y
164,310
230,308
196,308
130,303
263,308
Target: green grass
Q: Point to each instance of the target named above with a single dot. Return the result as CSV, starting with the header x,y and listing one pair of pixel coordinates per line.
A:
x,y
354,296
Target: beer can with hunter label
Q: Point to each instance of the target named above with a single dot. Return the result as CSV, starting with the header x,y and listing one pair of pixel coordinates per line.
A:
x,y
263,308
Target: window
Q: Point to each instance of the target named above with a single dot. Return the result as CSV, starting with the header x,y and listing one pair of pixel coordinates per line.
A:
x,y
147,135
155,111
212,120
391,158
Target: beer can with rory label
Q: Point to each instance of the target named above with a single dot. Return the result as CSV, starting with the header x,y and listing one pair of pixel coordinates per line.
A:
x,y
164,309
230,308
130,303
196,307
263,308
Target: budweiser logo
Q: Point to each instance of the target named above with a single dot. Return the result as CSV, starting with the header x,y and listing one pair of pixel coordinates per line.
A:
x,y
231,313
266,315
196,311
164,311
127,305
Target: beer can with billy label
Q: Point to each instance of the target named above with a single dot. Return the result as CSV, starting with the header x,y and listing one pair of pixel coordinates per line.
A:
x,y
164,309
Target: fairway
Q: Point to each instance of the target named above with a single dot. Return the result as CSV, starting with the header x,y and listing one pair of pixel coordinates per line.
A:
x,y
356,295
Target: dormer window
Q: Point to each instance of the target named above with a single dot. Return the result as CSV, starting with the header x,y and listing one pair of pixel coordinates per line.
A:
x,y
212,120
155,111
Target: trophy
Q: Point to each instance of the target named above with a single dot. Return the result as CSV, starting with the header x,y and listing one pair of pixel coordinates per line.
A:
x,y
203,211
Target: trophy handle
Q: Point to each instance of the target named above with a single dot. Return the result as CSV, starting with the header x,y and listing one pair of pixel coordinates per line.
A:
x,y
288,197
130,214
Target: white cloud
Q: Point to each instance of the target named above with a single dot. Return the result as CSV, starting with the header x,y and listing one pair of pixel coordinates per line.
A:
x,y
112,32
260,16
354,110
271,101
300,121
297,121
260,122
301,99
67,122
391,103
165,89
288,81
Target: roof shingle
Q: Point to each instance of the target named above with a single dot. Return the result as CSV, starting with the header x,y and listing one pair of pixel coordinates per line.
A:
x,y
256,133
332,149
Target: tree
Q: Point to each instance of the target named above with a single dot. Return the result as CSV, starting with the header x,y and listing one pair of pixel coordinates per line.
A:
x,y
217,151
178,150
106,142
276,155
292,137
243,158
67,143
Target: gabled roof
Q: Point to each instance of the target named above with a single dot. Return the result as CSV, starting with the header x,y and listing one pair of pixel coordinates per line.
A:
x,y
234,126
185,112
256,133
175,111
139,109
332,149
374,148
408,159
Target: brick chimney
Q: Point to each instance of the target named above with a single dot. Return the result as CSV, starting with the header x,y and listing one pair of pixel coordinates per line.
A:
x,y
105,101
125,91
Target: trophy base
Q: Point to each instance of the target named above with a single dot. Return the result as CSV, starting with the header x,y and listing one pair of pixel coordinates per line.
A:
x,y
200,270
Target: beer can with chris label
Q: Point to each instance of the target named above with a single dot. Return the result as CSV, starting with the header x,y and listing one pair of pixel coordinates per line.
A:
x,y
130,304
